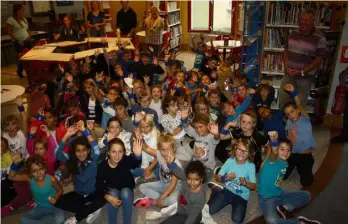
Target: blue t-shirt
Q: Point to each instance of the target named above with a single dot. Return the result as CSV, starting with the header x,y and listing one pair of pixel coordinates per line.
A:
x,y
239,109
275,123
246,170
300,133
195,86
199,60
271,177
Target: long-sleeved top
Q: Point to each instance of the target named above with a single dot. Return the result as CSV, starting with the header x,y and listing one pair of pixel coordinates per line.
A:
x,y
275,123
85,181
207,143
125,64
126,20
239,109
143,70
49,157
71,33
119,177
190,203
124,136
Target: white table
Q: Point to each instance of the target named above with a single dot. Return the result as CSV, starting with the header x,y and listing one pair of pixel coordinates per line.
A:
x,y
14,91
220,44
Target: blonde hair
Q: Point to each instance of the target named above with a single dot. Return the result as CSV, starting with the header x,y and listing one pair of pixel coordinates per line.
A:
x,y
148,119
165,138
248,144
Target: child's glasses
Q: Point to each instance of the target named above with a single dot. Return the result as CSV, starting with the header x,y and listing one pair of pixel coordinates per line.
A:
x,y
244,152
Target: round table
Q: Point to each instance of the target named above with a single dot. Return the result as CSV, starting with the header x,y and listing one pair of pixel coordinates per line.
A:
x,y
10,92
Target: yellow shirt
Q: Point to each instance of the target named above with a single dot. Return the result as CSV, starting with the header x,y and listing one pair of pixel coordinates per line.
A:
x,y
6,160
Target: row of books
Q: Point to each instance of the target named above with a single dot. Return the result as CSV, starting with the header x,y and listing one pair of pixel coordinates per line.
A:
x,y
175,42
175,31
273,62
173,18
289,12
172,5
277,37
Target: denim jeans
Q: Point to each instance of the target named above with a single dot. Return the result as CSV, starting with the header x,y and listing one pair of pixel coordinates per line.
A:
x,y
154,190
43,215
220,199
290,199
27,44
139,172
126,196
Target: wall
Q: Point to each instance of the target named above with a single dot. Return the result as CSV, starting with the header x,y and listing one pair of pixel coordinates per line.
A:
x,y
339,66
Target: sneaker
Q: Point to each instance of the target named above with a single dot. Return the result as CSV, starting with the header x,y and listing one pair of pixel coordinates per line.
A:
x,y
93,216
6,210
31,205
71,220
212,185
153,215
142,202
282,211
217,170
304,220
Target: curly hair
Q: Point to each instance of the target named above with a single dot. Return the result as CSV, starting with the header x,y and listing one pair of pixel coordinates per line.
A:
x,y
197,167
72,163
37,160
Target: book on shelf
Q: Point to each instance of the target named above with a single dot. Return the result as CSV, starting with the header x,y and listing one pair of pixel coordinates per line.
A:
x,y
172,6
281,13
273,62
174,18
277,38
175,31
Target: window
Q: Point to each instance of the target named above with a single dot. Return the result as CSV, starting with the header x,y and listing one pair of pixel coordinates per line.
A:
x,y
210,16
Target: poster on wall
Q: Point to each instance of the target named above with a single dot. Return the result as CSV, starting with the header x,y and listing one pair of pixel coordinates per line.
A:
x,y
344,54
328,63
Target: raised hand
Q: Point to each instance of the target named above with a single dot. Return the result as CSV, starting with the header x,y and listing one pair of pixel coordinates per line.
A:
x,y
137,146
184,113
80,125
233,124
18,101
44,128
139,116
166,57
61,68
155,61
41,111
88,60
71,130
130,76
33,130
16,157
151,48
273,135
289,87
99,76
146,80
136,58
90,126
69,77
213,128
120,72
110,136
170,157
138,134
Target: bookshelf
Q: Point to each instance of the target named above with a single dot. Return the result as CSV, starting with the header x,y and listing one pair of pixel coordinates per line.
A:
x,y
170,10
280,20
252,33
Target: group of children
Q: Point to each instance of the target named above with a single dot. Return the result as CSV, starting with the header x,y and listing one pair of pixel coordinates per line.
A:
x,y
116,122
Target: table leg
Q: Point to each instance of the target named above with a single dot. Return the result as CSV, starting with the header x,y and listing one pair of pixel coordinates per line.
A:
x,y
224,54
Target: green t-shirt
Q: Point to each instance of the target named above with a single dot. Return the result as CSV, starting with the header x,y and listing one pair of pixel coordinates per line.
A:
x,y
20,30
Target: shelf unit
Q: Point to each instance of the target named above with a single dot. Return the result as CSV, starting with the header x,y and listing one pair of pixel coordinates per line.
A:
x,y
253,19
281,18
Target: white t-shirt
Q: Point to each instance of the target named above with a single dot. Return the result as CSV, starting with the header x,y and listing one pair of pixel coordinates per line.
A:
x,y
18,143
53,134
170,123
20,30
151,141
157,107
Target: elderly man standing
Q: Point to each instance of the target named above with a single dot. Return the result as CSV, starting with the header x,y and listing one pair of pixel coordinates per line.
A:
x,y
303,54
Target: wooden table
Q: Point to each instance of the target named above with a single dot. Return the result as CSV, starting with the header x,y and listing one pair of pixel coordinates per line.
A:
x,y
220,44
46,53
10,92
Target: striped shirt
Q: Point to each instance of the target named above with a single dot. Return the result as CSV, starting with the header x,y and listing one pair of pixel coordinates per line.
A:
x,y
303,49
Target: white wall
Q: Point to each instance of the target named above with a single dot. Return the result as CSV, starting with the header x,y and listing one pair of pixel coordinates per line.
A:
x,y
339,67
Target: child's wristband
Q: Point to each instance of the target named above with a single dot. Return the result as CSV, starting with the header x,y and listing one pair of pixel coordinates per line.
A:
x,y
30,136
294,93
183,122
275,143
223,179
21,108
106,102
224,132
258,84
166,89
235,89
40,117
176,89
205,88
97,83
135,123
166,63
68,90
131,96
15,167
105,141
86,133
